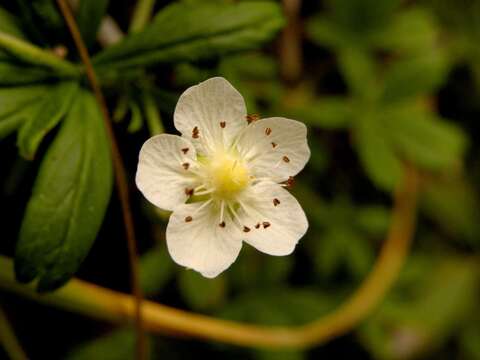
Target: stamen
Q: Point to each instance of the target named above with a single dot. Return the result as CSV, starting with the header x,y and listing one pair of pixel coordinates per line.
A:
x,y
266,224
202,206
188,219
189,192
205,192
186,165
268,131
195,132
246,229
290,182
185,150
276,202
251,118
223,124
286,159
222,210
274,145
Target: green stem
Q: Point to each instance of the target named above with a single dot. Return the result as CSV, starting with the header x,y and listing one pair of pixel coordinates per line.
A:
x,y
35,55
152,115
141,15
9,340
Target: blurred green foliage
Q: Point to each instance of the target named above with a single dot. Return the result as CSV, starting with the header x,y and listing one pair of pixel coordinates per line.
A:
x,y
380,87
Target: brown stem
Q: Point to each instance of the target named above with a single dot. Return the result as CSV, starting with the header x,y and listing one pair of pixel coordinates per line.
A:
x,y
120,173
290,43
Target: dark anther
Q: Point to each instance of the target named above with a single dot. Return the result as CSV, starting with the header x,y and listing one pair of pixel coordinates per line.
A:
x,y
268,131
265,224
223,124
188,192
222,224
274,145
188,219
186,166
286,159
246,229
253,117
257,226
195,132
276,202
185,150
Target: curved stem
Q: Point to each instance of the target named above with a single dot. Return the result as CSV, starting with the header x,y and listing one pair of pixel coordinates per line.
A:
x,y
88,299
8,339
35,55
120,176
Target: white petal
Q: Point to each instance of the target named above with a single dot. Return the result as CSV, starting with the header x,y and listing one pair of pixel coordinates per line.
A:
x,y
216,109
201,244
275,219
276,148
161,175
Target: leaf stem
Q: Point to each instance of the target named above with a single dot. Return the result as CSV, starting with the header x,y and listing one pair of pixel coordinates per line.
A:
x,y
100,303
120,176
141,15
35,55
8,339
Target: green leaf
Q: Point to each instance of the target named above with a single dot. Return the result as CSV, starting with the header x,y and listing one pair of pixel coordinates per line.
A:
x,y
156,268
17,105
10,24
201,293
16,73
454,205
376,153
69,199
408,327
325,32
412,30
192,32
327,113
373,219
136,121
412,77
50,111
428,141
117,345
359,70
89,17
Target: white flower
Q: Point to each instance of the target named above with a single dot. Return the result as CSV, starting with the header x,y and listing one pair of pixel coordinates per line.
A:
x,y
223,179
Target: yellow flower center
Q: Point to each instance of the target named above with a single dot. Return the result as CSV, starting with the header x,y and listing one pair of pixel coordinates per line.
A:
x,y
228,175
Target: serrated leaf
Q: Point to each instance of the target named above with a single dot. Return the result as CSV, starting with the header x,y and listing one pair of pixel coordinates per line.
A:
x,y
427,141
376,153
69,199
49,112
89,17
17,105
201,293
412,77
177,33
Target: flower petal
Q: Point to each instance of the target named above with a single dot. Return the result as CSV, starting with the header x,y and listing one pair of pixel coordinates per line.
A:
x,y
162,175
196,240
275,219
210,114
276,148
